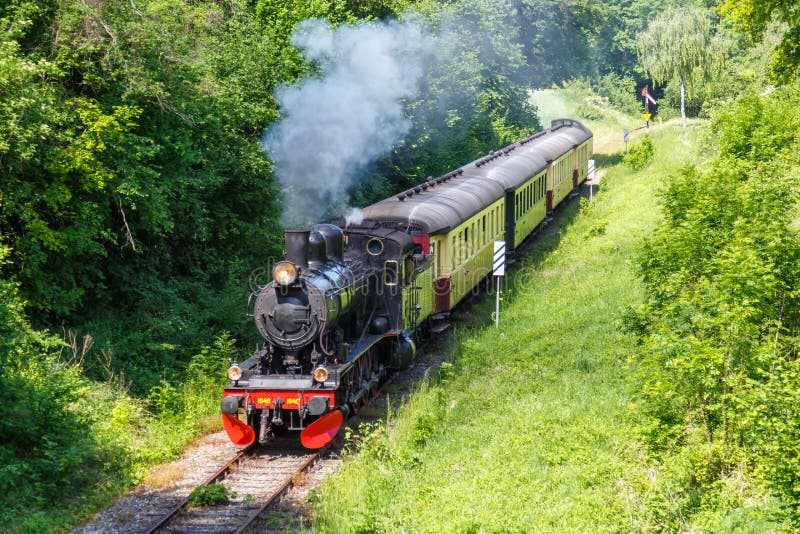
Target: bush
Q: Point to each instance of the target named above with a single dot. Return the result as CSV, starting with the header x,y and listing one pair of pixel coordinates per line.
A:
x,y
51,452
68,443
720,346
211,495
640,155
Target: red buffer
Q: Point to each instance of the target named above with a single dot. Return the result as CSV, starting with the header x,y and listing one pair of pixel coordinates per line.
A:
x,y
322,431
239,433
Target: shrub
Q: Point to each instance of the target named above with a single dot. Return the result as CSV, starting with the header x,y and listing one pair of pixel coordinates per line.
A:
x,y
640,154
620,91
720,346
211,495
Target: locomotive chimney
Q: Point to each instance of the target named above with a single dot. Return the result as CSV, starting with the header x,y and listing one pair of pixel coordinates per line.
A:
x,y
296,242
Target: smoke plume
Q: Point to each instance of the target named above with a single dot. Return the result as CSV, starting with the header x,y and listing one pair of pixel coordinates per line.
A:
x,y
338,123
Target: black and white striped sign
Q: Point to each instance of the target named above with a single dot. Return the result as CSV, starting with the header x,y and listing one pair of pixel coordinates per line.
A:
x,y
499,258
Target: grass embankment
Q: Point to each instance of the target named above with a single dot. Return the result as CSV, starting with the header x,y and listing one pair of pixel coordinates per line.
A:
x,y
531,427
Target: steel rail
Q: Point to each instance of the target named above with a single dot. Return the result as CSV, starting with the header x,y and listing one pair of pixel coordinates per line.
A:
x,y
278,493
219,474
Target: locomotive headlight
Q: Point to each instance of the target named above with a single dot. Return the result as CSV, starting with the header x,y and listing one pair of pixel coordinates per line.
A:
x,y
234,372
320,374
284,273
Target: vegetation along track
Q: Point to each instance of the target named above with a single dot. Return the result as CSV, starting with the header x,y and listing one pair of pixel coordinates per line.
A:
x,y
254,479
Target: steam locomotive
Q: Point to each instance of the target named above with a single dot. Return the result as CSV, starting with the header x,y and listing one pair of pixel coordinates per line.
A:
x,y
348,303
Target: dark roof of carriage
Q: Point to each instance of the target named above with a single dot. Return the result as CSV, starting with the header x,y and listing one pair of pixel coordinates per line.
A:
x,y
443,203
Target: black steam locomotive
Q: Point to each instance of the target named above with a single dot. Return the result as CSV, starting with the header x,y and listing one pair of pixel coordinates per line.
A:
x,y
347,304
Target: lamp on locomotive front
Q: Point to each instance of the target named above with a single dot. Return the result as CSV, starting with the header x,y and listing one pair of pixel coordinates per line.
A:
x,y
284,273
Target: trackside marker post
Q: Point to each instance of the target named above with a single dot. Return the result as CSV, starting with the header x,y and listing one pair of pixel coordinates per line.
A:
x,y
499,269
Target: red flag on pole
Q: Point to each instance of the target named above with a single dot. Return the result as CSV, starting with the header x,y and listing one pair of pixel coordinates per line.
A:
x,y
647,95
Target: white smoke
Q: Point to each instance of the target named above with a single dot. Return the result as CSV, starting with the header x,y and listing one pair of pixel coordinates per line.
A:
x,y
353,217
335,125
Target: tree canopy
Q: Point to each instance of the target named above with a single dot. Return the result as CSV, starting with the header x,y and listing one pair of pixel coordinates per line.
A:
x,y
678,44
756,16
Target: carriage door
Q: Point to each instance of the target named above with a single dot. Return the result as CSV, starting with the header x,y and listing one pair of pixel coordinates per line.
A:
x,y
417,291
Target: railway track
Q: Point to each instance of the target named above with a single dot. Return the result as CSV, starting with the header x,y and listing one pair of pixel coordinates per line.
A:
x,y
254,479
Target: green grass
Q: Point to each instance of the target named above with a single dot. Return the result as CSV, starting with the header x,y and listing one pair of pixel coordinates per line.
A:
x,y
534,426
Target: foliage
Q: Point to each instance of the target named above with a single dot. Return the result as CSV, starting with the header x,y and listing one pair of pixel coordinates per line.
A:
x,y
211,495
473,98
640,154
719,336
132,181
620,91
618,23
679,44
68,443
46,406
558,38
757,17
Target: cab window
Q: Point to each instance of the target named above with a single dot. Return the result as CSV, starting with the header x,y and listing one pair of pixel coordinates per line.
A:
x,y
391,271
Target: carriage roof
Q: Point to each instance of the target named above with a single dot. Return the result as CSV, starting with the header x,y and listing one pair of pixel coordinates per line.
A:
x,y
443,203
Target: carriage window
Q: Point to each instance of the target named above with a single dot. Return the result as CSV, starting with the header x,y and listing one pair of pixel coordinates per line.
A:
x,y
474,239
390,272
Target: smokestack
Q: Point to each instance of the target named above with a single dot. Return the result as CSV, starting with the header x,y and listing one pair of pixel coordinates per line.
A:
x,y
296,242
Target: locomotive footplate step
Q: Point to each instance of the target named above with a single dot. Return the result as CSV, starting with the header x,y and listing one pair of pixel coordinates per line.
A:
x,y
438,329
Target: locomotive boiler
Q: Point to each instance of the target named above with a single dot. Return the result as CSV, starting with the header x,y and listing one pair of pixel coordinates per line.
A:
x,y
301,314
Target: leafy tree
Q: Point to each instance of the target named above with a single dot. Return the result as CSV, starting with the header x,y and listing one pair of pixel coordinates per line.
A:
x,y
132,181
678,44
617,25
558,38
756,17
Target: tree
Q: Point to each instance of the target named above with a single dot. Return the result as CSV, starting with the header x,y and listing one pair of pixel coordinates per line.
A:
x,y
678,43
756,16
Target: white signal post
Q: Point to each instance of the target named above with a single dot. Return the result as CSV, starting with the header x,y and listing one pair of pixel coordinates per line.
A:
x,y
499,269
